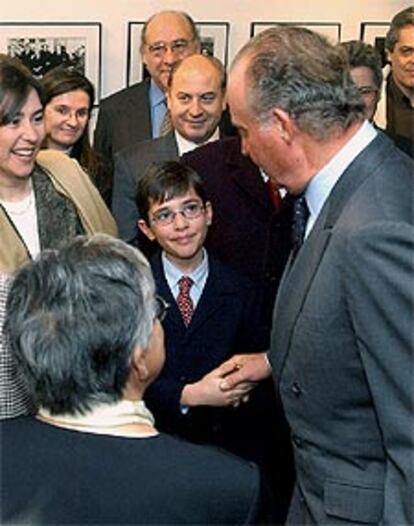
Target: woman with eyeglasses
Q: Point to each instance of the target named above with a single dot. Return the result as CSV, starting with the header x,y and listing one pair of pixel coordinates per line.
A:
x,y
69,99
45,197
83,324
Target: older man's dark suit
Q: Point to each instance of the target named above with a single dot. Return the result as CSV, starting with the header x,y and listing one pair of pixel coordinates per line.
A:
x,y
342,348
124,118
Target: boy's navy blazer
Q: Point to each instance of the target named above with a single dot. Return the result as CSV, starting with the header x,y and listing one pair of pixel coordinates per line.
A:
x,y
225,322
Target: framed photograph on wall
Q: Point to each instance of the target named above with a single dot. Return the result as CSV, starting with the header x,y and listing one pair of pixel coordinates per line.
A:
x,y
214,41
331,30
135,69
374,33
44,46
214,38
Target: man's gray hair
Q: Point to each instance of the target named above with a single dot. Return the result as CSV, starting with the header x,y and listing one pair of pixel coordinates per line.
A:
x,y
74,317
402,19
302,73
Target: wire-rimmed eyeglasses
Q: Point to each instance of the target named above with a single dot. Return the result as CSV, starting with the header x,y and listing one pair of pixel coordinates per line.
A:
x,y
178,47
190,210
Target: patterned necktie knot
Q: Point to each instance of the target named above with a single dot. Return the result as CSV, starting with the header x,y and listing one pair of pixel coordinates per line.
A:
x,y
184,301
300,218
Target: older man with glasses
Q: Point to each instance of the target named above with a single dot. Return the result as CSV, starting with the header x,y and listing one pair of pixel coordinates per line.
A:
x,y
136,113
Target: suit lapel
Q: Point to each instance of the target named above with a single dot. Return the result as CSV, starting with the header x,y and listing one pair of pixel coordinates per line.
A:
x,y
298,276
163,289
140,111
167,146
293,288
211,299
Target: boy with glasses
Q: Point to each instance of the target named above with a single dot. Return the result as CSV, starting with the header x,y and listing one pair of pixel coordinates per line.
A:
x,y
213,314
211,311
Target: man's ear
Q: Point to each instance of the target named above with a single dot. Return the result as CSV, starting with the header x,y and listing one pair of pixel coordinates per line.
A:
x,y
284,124
145,229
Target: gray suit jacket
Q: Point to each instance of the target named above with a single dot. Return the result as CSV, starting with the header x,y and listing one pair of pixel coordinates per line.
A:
x,y
130,163
124,118
342,348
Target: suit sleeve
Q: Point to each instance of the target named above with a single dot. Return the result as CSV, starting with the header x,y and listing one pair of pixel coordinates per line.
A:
x,y
124,208
380,291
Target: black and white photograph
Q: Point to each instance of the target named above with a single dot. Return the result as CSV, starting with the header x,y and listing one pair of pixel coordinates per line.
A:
x,y
214,38
135,68
331,30
42,47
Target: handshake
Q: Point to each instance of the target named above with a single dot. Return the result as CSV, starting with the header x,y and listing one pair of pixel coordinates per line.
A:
x,y
229,384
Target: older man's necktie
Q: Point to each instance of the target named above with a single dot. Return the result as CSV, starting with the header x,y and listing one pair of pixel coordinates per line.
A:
x,y
300,218
184,301
166,124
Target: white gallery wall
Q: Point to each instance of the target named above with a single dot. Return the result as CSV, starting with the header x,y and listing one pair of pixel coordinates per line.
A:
x,y
114,16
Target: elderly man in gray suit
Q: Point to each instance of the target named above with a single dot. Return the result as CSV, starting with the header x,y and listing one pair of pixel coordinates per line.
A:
x,y
135,113
342,353
196,101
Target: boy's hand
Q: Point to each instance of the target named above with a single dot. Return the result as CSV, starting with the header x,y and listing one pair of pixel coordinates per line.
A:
x,y
207,391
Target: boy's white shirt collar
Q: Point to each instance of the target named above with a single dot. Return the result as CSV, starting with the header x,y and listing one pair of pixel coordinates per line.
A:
x,y
198,275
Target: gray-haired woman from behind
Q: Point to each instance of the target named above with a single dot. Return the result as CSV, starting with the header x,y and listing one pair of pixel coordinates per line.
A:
x,y
83,325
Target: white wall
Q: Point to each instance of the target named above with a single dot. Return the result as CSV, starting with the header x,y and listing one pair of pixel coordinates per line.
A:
x,y
115,14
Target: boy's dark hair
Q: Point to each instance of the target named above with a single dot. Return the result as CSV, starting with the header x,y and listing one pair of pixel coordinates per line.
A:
x,y
165,180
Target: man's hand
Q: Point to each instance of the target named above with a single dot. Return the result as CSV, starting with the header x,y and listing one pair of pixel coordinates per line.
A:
x,y
207,391
242,369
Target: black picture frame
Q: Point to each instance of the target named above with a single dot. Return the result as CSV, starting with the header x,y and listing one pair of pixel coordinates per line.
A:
x,y
44,45
332,30
374,33
214,41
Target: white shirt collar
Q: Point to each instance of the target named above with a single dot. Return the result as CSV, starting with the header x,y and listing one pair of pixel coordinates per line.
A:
x,y
173,274
321,185
185,146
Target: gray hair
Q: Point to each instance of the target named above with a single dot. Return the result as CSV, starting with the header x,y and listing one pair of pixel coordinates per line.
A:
x,y
74,317
402,19
300,72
